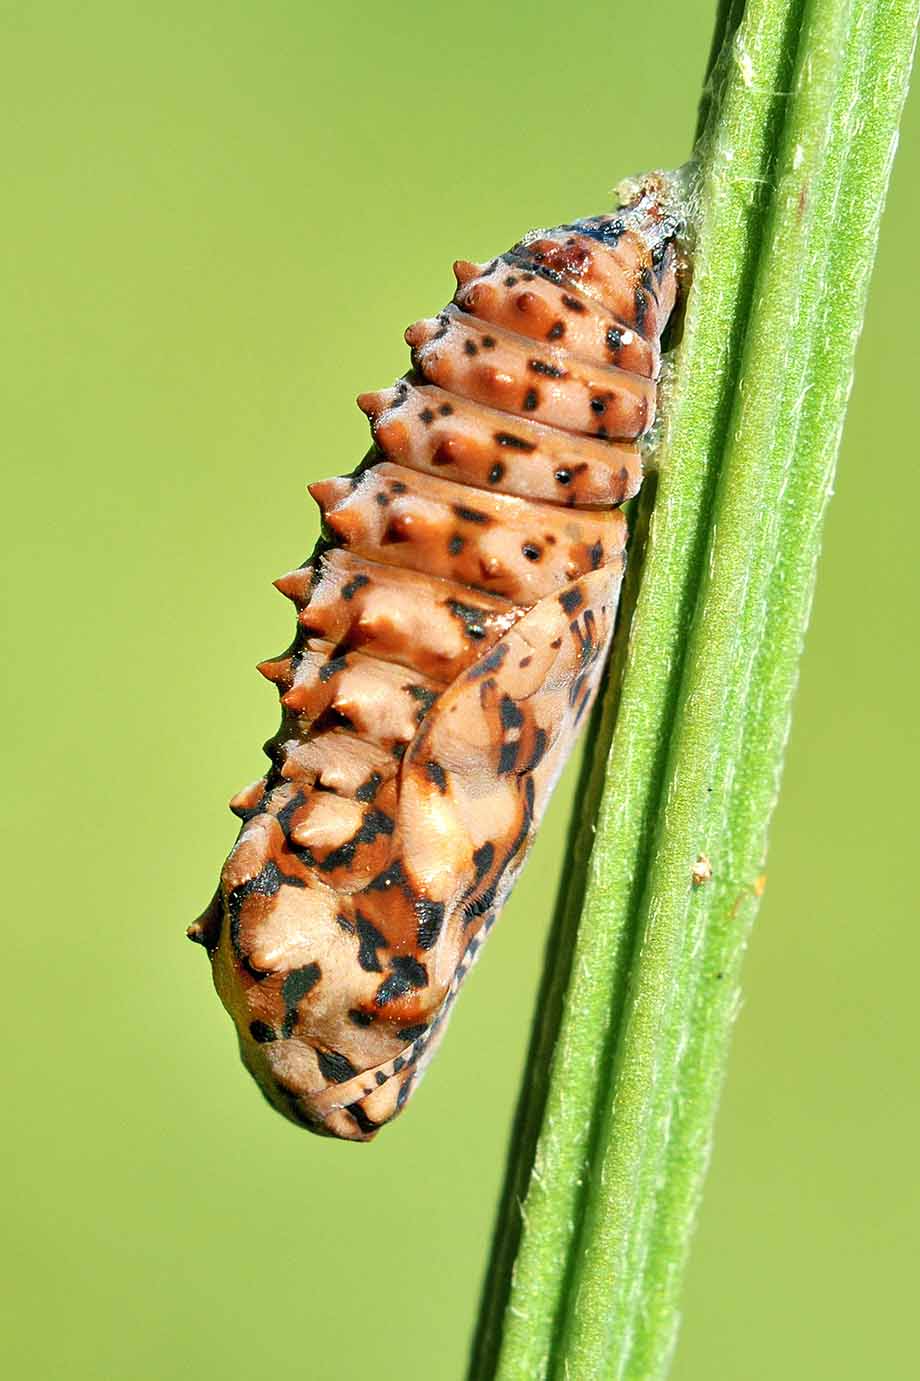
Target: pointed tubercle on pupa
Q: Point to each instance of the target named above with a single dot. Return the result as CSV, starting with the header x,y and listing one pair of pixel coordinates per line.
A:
x,y
296,585
421,331
464,271
277,670
206,930
245,801
327,493
372,404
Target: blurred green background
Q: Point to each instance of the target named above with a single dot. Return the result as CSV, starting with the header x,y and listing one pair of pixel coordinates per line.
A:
x,y
219,218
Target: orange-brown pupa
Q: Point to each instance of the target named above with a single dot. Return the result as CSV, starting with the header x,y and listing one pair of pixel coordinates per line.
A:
x,y
452,628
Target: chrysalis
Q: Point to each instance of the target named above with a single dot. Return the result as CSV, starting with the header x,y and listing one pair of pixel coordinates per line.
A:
x,y
452,629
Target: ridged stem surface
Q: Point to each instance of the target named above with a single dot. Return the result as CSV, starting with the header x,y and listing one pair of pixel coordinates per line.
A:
x,y
860,149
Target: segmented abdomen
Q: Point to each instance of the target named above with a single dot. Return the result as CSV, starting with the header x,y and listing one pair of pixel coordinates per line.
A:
x,y
452,630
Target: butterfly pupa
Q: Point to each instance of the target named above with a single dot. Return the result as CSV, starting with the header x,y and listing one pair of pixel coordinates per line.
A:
x,y
452,629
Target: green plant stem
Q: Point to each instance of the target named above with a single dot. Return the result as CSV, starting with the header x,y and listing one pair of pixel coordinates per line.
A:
x,y
808,183
875,72
580,1068
597,1338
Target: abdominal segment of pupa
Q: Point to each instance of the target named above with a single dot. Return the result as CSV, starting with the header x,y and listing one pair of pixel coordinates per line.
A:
x,y
452,629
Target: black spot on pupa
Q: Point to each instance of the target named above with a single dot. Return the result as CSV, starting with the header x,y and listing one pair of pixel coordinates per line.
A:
x,y
406,973
496,472
426,416
572,303
287,812
332,668
549,371
596,555
556,331
531,400
488,342
539,750
356,583
551,275
425,697
491,662
306,856
563,476
571,600
430,920
390,877
471,515
515,443
583,705
614,339
471,347
412,1033
359,1018
483,858
368,790
509,713
455,545
262,1032
445,409
599,405
335,1066
435,773
473,619
369,941
365,1124
297,985
479,906
531,552
375,822
404,1091
507,757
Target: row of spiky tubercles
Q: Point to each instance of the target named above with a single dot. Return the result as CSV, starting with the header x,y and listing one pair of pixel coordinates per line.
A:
x,y
451,633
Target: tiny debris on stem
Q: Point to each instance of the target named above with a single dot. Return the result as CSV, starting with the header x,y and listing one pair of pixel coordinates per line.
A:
x,y
702,871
